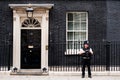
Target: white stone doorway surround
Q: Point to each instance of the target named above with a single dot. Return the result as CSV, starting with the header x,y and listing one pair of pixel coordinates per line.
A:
x,y
41,13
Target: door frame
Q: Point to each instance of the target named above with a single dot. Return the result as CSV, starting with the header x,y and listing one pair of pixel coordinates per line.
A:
x,y
42,10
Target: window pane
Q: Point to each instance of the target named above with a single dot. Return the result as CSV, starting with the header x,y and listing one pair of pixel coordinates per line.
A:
x,y
70,45
70,35
77,36
76,45
77,26
77,16
83,25
70,16
83,36
70,25
83,16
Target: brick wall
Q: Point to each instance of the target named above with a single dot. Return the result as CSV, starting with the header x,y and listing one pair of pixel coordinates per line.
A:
x,y
113,20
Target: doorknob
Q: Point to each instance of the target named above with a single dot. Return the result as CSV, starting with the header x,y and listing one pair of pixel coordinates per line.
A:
x,y
30,50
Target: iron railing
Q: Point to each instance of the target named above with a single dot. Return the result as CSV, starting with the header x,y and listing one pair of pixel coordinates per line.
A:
x,y
106,56
61,58
5,57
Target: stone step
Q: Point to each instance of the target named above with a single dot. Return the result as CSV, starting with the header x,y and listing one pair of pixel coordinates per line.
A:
x,y
29,72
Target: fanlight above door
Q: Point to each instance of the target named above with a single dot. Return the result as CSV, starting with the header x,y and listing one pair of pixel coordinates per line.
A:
x,y
31,22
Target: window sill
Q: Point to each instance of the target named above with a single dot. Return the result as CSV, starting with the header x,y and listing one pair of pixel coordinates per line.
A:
x,y
72,52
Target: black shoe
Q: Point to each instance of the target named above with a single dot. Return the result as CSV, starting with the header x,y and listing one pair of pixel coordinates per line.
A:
x,y
83,76
90,76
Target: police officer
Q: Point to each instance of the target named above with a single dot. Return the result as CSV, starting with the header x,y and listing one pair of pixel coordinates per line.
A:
x,y
86,53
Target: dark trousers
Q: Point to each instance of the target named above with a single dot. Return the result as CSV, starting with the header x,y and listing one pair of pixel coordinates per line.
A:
x,y
86,63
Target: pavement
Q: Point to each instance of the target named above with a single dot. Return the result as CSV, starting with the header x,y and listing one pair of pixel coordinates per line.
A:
x,y
58,78
7,76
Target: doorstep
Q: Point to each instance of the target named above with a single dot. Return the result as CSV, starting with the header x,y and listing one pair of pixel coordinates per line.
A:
x,y
30,72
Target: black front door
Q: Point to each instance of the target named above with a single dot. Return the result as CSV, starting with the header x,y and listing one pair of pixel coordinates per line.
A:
x,y
30,49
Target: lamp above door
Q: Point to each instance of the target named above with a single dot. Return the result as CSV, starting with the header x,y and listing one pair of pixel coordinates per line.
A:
x,y
29,11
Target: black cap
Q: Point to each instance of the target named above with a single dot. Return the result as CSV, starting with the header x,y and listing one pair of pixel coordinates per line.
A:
x,y
86,42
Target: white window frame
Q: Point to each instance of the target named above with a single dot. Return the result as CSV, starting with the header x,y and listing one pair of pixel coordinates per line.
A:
x,y
75,51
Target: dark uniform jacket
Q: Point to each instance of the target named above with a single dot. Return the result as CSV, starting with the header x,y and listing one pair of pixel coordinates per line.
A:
x,y
86,53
